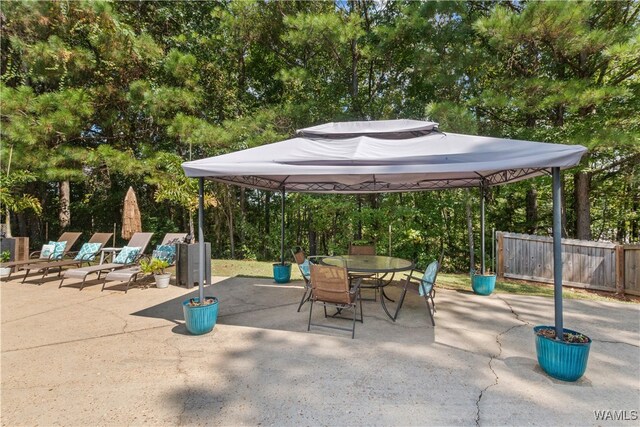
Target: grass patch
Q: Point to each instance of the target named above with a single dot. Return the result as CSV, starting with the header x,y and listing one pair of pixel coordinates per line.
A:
x,y
460,282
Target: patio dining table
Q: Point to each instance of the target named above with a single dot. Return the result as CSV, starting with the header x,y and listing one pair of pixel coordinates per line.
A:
x,y
373,264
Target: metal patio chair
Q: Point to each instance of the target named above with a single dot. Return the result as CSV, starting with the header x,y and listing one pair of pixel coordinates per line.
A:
x,y
331,286
424,284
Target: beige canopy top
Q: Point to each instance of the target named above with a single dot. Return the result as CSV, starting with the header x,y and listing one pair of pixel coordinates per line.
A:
x,y
384,156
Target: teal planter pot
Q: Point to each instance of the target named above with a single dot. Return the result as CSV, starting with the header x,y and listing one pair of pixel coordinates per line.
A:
x,y
562,360
282,273
200,319
483,284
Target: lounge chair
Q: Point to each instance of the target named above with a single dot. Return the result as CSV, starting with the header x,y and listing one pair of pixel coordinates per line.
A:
x,y
138,240
331,286
70,237
98,239
130,274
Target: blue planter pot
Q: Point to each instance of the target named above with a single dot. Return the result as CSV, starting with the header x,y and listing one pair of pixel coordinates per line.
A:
x,y
483,285
282,273
560,359
202,318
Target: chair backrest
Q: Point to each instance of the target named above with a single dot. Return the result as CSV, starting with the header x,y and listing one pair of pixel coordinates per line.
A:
x,y
362,249
330,284
169,237
102,238
70,237
298,255
140,240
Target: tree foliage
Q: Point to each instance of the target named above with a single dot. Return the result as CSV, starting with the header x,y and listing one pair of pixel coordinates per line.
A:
x,y
107,95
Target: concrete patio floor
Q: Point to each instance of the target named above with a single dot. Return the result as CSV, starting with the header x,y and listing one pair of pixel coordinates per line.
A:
x,y
88,357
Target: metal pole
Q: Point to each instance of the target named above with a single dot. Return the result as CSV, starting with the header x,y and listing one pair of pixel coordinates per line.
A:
x,y
282,230
482,226
493,250
201,270
557,252
389,239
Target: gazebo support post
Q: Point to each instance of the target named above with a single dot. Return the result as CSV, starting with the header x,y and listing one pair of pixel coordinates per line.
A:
x,y
201,239
557,252
282,229
482,243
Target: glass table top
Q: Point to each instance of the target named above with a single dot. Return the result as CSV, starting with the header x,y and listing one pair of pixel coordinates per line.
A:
x,y
369,263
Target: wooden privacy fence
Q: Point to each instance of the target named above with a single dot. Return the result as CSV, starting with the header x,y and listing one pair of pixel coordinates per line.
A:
x,y
586,264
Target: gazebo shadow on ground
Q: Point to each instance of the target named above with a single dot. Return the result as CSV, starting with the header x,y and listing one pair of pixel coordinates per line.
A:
x,y
261,303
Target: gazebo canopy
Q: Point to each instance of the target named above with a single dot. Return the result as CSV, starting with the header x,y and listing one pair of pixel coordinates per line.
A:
x,y
384,156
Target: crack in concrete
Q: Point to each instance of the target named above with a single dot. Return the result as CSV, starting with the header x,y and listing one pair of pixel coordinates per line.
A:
x,y
85,339
616,342
184,374
496,356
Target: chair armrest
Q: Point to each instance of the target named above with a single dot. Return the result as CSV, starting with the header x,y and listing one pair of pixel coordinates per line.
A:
x,y
34,254
412,276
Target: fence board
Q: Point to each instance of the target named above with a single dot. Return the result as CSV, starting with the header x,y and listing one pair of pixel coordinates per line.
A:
x,y
586,264
632,269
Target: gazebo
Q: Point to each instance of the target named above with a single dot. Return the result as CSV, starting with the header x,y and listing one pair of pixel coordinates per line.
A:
x,y
390,156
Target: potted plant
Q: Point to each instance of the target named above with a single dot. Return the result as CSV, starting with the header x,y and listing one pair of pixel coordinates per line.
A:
x,y
4,257
200,318
483,284
564,359
156,267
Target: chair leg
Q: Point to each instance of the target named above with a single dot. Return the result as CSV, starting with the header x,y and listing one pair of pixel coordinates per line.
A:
x,y
26,273
305,298
404,292
310,310
426,300
353,328
361,315
82,284
104,282
62,280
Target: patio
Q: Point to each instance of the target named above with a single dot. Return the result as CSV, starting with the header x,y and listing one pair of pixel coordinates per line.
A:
x,y
106,358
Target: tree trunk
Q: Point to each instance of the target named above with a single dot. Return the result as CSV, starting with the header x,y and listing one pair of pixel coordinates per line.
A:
x,y
358,235
472,261
65,202
7,223
532,210
231,229
582,187
191,227
267,222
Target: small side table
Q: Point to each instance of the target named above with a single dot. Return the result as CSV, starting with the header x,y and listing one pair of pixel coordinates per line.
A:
x,y
108,252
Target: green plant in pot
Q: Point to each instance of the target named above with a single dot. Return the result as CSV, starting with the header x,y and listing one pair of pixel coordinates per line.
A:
x,y
5,256
156,267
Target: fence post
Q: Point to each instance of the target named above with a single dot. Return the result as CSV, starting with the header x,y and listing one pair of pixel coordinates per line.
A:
x,y
619,270
500,251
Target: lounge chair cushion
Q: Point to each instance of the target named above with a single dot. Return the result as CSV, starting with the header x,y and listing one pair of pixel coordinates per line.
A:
x,y
165,253
127,255
58,250
88,252
46,251
429,277
53,250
